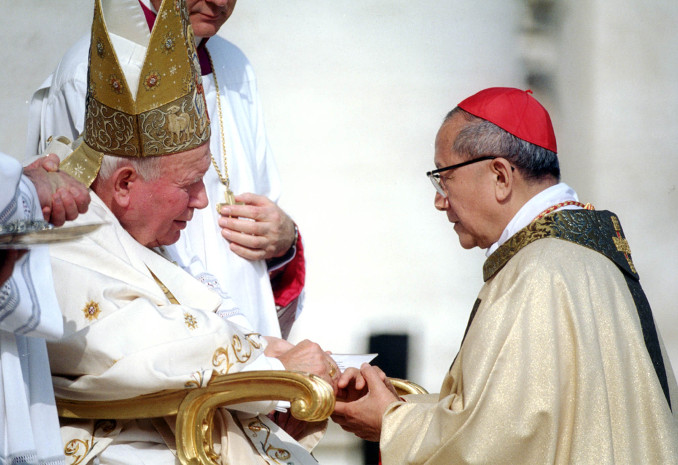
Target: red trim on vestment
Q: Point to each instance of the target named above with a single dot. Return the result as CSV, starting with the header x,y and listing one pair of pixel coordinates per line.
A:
x,y
289,281
148,13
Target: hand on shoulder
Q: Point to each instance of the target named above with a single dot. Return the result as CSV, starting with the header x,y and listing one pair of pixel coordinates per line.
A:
x,y
62,198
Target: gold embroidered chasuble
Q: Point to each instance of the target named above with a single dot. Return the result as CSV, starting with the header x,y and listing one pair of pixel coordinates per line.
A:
x,y
554,367
124,338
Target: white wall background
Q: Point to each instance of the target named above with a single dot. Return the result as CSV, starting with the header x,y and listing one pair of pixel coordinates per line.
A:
x,y
354,92
618,93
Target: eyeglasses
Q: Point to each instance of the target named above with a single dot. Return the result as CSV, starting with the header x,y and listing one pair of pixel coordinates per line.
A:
x,y
434,175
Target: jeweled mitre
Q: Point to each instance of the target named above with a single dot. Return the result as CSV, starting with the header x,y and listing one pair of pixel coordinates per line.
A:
x,y
166,114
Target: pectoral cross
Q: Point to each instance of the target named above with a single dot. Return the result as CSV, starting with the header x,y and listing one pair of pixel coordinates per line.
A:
x,y
229,199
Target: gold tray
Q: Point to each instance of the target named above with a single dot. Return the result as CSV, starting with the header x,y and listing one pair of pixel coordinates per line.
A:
x,y
27,239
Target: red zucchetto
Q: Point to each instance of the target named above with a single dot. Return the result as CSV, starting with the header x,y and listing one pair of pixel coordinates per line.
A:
x,y
516,112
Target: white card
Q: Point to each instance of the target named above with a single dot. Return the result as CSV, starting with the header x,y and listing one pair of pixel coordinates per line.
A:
x,y
344,361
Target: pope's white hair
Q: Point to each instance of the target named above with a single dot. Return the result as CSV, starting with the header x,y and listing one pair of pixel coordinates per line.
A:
x,y
148,168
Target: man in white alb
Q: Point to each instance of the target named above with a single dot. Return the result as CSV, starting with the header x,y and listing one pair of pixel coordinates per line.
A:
x,y
29,312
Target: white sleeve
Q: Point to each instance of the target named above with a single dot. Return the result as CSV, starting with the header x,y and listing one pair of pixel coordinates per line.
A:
x,y
28,304
57,108
123,341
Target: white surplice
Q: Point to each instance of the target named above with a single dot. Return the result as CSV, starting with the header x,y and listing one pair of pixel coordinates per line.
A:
x,y
29,428
123,337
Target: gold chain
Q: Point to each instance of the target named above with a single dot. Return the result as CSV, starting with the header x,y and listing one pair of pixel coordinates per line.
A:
x,y
225,180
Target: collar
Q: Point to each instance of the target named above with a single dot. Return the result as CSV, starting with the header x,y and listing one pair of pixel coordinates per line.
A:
x,y
553,195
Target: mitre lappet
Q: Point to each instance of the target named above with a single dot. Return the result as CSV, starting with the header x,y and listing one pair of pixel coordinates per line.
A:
x,y
154,104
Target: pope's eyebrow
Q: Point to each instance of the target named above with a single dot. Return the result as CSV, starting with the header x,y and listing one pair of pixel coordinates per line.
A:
x,y
197,179
190,182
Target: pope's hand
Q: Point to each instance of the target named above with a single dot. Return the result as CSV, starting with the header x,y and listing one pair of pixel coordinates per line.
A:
x,y
309,357
61,197
258,229
276,346
362,399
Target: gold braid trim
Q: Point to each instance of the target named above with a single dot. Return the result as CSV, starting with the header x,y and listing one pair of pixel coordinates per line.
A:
x,y
171,128
278,455
225,358
74,448
596,230
165,291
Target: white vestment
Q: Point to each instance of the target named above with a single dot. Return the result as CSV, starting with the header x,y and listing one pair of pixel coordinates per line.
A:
x,y
58,109
29,428
123,337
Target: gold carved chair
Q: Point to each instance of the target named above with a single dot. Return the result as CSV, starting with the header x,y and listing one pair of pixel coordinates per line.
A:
x,y
404,387
310,397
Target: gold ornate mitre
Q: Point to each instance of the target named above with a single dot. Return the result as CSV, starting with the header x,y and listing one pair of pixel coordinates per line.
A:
x,y
166,115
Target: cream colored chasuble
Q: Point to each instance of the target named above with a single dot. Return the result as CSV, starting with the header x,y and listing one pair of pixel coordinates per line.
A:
x,y
554,369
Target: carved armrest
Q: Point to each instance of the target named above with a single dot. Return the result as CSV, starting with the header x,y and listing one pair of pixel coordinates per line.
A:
x,y
310,397
404,387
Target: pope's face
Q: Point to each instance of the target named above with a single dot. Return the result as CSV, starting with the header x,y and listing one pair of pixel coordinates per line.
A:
x,y
158,210
468,195
207,16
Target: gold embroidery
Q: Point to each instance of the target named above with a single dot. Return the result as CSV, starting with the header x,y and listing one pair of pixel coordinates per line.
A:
x,y
152,80
274,453
151,133
168,43
111,131
73,449
535,230
621,244
196,382
165,291
221,360
252,339
83,164
91,310
599,231
119,123
101,51
190,321
78,169
116,85
177,124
